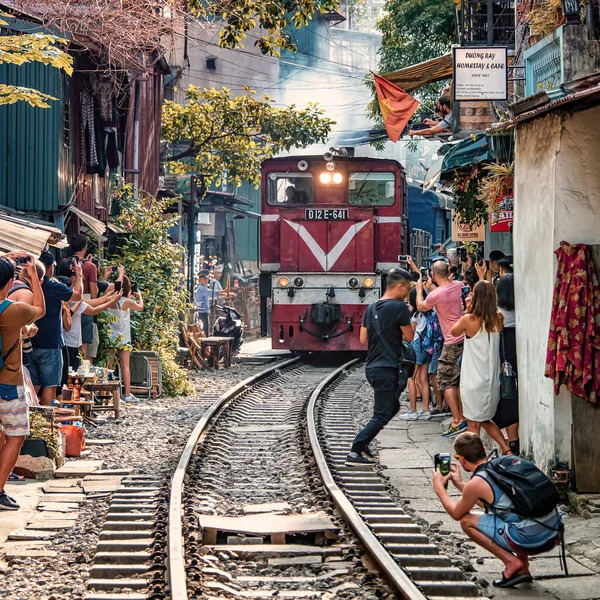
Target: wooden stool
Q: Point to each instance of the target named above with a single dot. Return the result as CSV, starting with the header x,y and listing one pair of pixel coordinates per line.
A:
x,y
214,345
110,389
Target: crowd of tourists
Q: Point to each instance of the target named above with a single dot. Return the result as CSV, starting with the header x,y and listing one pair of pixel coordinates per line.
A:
x,y
47,326
459,319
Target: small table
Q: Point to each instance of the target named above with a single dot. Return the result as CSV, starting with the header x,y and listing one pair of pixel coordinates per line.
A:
x,y
216,344
108,387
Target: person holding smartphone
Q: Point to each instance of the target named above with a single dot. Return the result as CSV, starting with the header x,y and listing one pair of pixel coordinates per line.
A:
x,y
120,330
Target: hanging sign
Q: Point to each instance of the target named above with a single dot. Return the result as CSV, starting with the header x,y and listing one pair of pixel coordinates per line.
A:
x,y
502,221
464,233
480,73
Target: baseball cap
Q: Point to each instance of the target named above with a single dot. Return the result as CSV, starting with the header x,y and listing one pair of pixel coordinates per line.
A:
x,y
47,259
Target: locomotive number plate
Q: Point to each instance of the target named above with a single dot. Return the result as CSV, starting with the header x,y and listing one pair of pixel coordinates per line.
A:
x,y
326,214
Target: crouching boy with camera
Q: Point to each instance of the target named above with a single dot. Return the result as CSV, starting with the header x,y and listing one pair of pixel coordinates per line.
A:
x,y
521,517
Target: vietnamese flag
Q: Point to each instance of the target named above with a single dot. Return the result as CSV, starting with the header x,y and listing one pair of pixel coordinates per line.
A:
x,y
397,107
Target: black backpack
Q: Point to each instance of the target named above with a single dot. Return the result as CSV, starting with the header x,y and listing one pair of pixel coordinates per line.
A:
x,y
530,490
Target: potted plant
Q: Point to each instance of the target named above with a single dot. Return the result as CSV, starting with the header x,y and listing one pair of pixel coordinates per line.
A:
x,y
497,183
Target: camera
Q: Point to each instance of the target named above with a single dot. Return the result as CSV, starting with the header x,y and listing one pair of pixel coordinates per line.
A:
x,y
465,291
22,261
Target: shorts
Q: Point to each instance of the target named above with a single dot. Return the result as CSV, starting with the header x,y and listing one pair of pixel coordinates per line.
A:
x,y
14,414
45,366
448,374
87,329
433,365
423,358
494,528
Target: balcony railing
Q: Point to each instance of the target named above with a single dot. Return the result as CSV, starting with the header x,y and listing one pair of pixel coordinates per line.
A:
x,y
488,23
544,66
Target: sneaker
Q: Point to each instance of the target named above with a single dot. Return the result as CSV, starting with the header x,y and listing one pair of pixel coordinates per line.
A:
x,y
423,415
411,415
131,399
462,426
356,460
439,413
368,454
455,429
7,503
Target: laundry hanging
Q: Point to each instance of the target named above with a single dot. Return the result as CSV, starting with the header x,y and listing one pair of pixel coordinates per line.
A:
x,y
573,356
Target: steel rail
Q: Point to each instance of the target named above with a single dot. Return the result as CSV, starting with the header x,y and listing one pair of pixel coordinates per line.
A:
x,y
175,552
397,577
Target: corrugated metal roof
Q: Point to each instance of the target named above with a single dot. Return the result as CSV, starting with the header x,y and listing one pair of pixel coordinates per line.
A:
x,y
416,76
98,227
19,235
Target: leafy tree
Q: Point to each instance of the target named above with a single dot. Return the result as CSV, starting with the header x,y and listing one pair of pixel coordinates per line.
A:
x,y
271,18
31,47
216,131
153,262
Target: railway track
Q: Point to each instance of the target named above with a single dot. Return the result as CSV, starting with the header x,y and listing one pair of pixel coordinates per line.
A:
x,y
261,504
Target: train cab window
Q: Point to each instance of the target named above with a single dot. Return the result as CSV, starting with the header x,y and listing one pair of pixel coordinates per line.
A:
x,y
371,189
290,189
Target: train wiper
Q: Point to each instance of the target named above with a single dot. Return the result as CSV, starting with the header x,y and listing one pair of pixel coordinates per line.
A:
x,y
363,184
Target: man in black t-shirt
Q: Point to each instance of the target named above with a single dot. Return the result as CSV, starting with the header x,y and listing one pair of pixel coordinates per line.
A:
x,y
381,367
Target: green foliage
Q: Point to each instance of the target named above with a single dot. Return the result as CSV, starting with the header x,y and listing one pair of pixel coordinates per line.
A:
x,y
31,47
469,209
270,19
236,133
415,31
153,262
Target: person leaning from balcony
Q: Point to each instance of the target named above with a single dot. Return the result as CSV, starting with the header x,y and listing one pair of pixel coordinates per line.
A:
x,y
446,298
45,363
443,108
14,409
382,371
202,299
501,531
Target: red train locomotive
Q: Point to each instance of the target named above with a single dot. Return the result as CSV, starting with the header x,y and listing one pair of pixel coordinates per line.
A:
x,y
330,229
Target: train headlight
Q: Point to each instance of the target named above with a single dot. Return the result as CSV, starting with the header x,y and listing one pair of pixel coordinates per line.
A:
x,y
330,166
325,177
338,178
353,282
369,282
283,282
298,282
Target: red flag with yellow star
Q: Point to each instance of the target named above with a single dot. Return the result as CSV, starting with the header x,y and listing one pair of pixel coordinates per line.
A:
x,y
397,107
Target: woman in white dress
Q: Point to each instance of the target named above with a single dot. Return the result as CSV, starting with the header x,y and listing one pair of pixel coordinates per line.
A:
x,y
480,369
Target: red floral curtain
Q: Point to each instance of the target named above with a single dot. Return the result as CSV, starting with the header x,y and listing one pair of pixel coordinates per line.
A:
x,y
573,356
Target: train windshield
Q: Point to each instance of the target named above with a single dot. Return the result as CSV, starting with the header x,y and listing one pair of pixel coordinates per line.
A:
x,y
290,188
371,189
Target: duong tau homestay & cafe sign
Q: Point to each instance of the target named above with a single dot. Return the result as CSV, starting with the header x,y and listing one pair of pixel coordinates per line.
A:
x,y
480,73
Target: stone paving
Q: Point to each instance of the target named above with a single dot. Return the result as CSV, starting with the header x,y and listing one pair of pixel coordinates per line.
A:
x,y
406,451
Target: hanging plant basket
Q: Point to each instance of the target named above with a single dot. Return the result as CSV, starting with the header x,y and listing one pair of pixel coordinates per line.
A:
x,y
469,209
496,184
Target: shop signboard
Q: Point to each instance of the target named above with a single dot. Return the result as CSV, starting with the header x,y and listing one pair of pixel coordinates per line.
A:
x,y
502,221
464,233
480,73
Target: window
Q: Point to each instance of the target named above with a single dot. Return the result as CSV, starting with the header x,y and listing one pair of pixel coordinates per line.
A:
x,y
372,189
290,189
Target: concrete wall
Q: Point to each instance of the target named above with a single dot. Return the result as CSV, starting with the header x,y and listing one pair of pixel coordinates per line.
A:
x,y
557,197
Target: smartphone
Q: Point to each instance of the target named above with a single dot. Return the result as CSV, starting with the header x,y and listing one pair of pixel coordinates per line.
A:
x,y
22,261
76,259
424,273
403,258
442,462
134,287
463,254
117,286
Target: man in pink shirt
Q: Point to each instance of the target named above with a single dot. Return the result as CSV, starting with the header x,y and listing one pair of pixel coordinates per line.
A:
x,y
447,301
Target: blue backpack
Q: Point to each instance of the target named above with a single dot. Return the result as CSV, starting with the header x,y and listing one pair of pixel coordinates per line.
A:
x,y
432,339
3,306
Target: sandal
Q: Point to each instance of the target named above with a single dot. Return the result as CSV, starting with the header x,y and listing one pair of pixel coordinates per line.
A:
x,y
509,582
15,477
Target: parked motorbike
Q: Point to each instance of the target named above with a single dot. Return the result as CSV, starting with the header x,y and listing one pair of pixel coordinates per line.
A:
x,y
230,325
